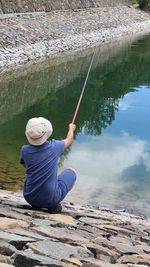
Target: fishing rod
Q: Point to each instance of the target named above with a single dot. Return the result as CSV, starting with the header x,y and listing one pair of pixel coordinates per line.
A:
x,y
82,92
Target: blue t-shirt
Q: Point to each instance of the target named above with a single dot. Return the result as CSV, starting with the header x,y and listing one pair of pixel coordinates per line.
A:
x,y
41,187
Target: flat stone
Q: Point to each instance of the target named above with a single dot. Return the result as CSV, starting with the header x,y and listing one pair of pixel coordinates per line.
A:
x,y
6,259
6,223
58,250
73,261
103,253
6,248
7,211
24,258
26,233
92,231
115,229
135,259
62,234
41,222
14,237
136,265
144,248
121,248
120,239
60,218
15,240
5,265
146,239
99,263
90,220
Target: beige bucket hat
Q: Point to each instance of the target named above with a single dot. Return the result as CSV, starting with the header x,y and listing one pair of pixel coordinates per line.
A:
x,y
38,130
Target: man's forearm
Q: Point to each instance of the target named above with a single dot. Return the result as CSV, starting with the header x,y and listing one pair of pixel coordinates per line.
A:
x,y
70,135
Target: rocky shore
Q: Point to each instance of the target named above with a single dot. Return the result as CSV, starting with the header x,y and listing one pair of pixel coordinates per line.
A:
x,y
30,37
79,236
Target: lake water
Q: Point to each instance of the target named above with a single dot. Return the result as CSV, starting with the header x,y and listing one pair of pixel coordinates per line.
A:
x,y
111,151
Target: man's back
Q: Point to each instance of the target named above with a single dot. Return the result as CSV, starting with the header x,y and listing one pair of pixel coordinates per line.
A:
x,y
41,176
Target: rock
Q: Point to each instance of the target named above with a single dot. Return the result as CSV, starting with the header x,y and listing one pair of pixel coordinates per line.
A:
x,y
86,237
73,261
12,223
26,259
58,250
43,223
5,265
120,247
69,31
113,229
6,248
136,265
6,259
98,263
103,253
62,234
26,233
59,218
15,240
135,259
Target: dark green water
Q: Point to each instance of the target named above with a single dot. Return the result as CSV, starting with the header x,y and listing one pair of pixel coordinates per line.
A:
x,y
111,151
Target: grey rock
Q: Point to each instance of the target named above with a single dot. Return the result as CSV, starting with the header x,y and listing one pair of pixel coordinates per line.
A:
x,y
5,265
58,250
15,240
6,248
26,233
62,234
26,259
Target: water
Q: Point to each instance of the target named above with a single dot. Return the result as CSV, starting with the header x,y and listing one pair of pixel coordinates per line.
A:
x,y
111,151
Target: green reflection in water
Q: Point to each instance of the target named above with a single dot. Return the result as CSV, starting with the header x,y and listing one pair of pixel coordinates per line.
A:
x,y
52,91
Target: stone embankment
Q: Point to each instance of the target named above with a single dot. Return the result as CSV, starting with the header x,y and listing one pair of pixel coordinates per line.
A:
x,y
79,236
29,37
15,6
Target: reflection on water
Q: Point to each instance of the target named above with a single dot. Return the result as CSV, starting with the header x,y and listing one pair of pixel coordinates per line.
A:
x,y
111,152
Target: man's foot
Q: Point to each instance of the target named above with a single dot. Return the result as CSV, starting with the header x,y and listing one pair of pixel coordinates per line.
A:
x,y
55,210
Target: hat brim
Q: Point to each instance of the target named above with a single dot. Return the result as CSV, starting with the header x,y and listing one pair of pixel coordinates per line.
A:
x,y
39,141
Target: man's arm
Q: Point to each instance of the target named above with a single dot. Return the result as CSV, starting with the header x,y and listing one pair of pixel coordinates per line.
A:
x,y
70,135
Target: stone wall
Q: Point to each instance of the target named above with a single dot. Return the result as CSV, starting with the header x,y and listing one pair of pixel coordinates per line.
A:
x,y
18,6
